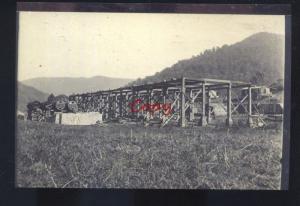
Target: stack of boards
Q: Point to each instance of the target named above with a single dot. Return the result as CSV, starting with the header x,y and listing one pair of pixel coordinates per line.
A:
x,y
87,118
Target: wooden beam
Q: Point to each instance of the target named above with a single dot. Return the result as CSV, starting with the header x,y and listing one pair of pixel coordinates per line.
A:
x,y
133,98
240,103
204,80
229,118
107,107
203,121
127,100
178,102
191,112
250,120
208,108
121,104
182,106
197,94
164,93
115,106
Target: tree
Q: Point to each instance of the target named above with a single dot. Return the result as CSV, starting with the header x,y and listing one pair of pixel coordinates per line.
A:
x,y
51,98
258,78
277,86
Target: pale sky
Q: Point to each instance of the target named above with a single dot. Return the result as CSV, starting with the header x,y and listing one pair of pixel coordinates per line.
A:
x,y
126,45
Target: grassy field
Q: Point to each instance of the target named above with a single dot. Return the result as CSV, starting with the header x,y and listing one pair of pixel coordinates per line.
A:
x,y
131,156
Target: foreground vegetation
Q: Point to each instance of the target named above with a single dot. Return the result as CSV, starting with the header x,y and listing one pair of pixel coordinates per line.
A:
x,y
130,156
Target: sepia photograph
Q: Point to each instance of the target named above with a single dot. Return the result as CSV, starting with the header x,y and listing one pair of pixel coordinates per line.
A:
x,y
137,100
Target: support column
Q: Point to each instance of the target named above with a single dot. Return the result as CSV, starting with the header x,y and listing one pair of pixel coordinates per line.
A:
x,y
133,98
208,108
126,103
203,121
121,104
177,104
182,110
250,120
229,118
149,101
164,92
137,96
115,113
107,107
100,104
110,110
191,113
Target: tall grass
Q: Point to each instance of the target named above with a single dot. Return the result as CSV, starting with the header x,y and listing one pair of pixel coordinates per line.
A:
x,y
130,156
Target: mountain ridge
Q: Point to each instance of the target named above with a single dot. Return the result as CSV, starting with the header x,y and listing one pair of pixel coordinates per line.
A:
x,y
70,85
257,59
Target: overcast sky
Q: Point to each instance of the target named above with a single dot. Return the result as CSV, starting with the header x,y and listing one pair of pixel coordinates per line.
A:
x,y
126,45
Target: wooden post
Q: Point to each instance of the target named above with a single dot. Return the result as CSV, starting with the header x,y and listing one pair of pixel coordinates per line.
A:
x,y
178,103
115,105
110,106
229,118
137,95
191,113
100,104
182,110
203,121
208,108
164,95
121,104
250,120
127,109
60,118
133,98
149,96
107,107
147,113
151,99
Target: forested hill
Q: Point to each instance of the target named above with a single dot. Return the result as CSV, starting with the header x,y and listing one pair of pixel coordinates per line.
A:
x,y
257,59
28,94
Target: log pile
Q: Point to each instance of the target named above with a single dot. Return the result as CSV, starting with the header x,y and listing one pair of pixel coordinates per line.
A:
x,y
45,111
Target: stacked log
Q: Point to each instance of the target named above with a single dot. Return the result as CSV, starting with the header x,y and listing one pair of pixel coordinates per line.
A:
x,y
72,106
37,115
34,110
46,111
60,105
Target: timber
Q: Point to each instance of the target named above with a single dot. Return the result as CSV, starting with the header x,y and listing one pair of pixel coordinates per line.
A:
x,y
181,100
250,120
229,118
182,109
203,121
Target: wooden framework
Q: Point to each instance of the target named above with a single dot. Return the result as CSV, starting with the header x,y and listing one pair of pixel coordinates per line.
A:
x,y
178,95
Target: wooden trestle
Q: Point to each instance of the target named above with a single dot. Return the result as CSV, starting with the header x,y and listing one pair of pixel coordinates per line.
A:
x,y
179,94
